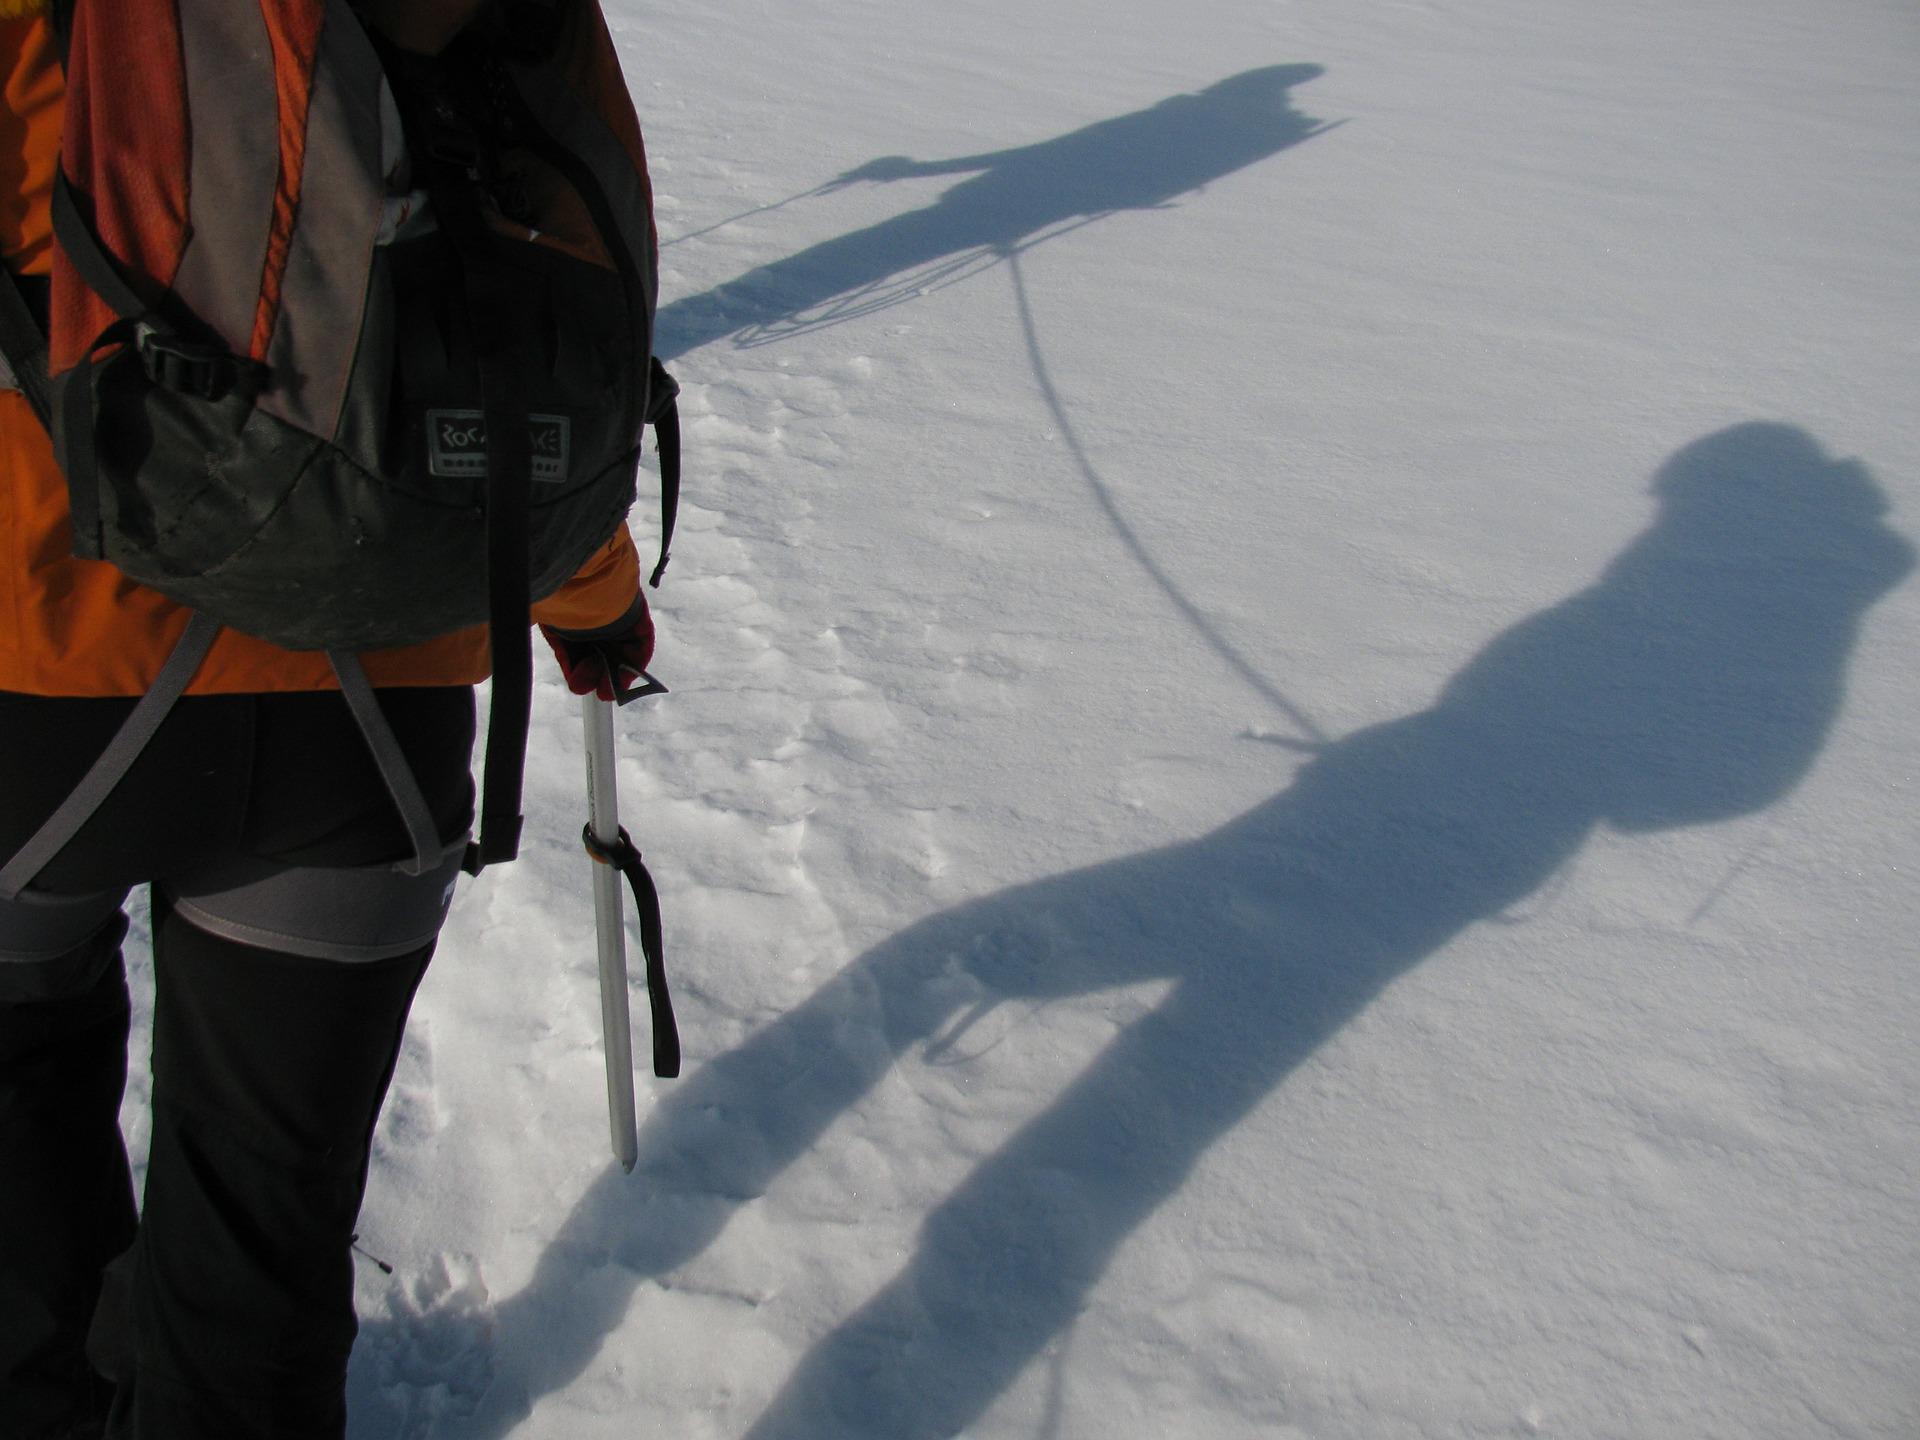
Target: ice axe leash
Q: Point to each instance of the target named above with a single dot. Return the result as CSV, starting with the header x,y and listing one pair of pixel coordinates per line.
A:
x,y
614,856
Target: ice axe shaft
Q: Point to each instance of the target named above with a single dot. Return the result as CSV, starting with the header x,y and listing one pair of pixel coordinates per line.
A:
x,y
603,822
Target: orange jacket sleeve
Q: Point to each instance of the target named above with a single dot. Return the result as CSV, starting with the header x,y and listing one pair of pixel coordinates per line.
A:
x,y
600,592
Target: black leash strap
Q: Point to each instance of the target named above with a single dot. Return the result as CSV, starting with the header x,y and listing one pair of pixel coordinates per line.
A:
x,y
509,620
663,413
624,858
98,269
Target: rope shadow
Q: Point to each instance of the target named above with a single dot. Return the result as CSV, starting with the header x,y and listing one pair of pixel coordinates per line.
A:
x,y
1197,620
1015,200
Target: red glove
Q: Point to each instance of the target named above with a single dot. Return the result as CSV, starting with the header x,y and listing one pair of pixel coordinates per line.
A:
x,y
606,661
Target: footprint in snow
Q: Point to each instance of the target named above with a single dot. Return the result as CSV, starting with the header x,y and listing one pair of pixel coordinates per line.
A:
x,y
434,1354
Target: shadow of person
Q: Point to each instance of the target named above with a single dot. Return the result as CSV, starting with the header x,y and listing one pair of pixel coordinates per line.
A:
x,y
1132,162
1694,682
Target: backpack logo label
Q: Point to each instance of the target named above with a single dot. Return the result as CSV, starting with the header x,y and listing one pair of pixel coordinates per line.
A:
x,y
457,445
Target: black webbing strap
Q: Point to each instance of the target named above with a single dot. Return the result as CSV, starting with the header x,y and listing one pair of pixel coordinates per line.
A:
x,y
88,256
663,413
510,627
646,899
509,450
23,347
75,445
126,746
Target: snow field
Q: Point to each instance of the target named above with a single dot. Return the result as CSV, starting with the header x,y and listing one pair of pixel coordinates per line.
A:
x,y
1287,807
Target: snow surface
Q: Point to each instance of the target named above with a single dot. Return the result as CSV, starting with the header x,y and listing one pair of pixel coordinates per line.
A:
x,y
1288,802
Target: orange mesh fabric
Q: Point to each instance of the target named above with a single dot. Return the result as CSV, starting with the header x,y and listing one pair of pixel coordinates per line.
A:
x,y
127,161
31,88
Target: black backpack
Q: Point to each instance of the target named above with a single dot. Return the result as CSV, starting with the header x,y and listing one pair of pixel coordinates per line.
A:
x,y
381,381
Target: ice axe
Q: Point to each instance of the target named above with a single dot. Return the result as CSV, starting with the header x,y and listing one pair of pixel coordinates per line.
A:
x,y
614,855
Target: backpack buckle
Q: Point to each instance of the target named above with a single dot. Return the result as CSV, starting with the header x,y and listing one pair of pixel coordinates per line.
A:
x,y
194,367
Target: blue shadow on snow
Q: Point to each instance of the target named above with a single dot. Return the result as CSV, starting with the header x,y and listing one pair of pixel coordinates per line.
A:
x,y
1695,681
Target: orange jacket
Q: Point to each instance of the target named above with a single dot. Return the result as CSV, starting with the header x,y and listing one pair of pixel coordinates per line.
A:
x,y
80,627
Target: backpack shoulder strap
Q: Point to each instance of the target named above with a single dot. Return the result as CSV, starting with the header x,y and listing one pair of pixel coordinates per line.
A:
x,y
23,346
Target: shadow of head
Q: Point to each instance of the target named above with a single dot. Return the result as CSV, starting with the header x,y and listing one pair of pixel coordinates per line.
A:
x,y
1775,480
1139,160
1263,89
1717,644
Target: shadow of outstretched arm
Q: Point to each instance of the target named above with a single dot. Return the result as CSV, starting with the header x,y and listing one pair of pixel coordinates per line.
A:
x,y
1696,681
1132,162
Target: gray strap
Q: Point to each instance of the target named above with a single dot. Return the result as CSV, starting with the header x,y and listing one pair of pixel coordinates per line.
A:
x,y
114,762
394,769
371,913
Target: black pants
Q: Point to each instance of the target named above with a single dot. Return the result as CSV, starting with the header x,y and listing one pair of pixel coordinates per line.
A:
x,y
228,1310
